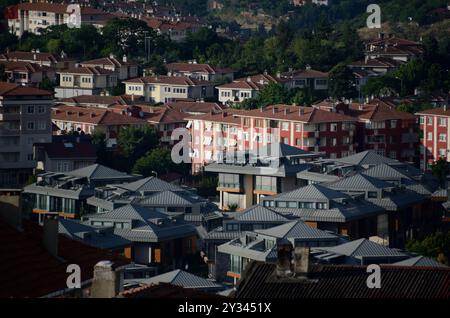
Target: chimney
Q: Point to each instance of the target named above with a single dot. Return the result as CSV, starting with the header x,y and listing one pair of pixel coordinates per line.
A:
x,y
111,56
285,112
107,281
249,79
274,110
301,261
284,250
50,235
124,58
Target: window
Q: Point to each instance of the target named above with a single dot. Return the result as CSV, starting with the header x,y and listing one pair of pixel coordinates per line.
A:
x,y
42,125
430,120
372,194
333,141
421,120
41,109
298,127
286,140
30,125
442,137
285,126
393,124
30,109
30,157
443,122
429,136
227,180
233,227
393,155
298,142
307,205
281,204
264,183
235,264
333,127
442,152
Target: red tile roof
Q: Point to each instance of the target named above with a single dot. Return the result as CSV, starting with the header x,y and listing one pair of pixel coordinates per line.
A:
x,y
195,107
378,110
195,67
338,281
377,62
441,111
28,270
101,100
56,150
87,70
30,56
306,73
170,80
255,82
9,89
92,115
106,61
21,66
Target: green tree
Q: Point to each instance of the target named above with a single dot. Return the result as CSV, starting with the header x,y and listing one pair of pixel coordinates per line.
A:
x,y
341,82
135,142
98,139
440,170
436,245
158,160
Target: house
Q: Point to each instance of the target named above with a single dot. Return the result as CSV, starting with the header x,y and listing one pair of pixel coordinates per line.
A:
x,y
205,72
434,140
421,261
123,68
34,17
84,81
64,156
176,28
26,73
164,89
308,128
24,119
54,61
233,257
65,194
242,183
389,46
158,240
100,101
244,88
307,78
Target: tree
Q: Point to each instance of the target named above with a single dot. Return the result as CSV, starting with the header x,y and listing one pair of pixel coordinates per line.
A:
x,y
440,170
158,160
98,139
436,245
135,142
274,93
341,82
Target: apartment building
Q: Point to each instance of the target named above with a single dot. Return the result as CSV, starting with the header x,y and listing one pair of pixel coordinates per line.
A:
x,y
435,131
37,16
243,184
85,81
24,120
164,89
205,72
26,73
244,88
381,127
124,69
310,129
54,61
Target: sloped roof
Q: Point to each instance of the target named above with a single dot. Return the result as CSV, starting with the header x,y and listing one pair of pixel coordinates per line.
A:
x,y
99,172
368,157
69,150
9,89
150,184
296,230
165,198
312,192
258,213
359,182
420,261
130,212
363,248
183,279
283,150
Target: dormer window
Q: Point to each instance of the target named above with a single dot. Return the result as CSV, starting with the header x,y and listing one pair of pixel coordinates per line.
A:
x,y
372,195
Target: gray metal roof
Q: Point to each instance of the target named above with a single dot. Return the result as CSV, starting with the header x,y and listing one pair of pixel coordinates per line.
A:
x,y
283,150
398,200
317,177
128,212
363,248
359,182
105,239
366,158
385,172
282,170
99,172
221,235
296,230
167,198
258,213
419,261
312,193
150,184
78,193
183,279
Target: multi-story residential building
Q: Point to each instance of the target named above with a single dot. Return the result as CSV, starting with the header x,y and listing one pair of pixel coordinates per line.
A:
x,y
37,16
85,81
205,72
176,29
244,88
435,135
394,48
65,194
123,68
307,78
29,74
382,128
88,119
24,119
307,128
242,184
54,61
164,89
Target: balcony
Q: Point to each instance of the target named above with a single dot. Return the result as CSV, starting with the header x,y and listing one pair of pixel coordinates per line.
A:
x,y
232,187
9,116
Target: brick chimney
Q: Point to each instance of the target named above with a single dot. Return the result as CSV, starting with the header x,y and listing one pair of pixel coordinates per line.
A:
x,y
284,249
107,281
301,261
50,235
